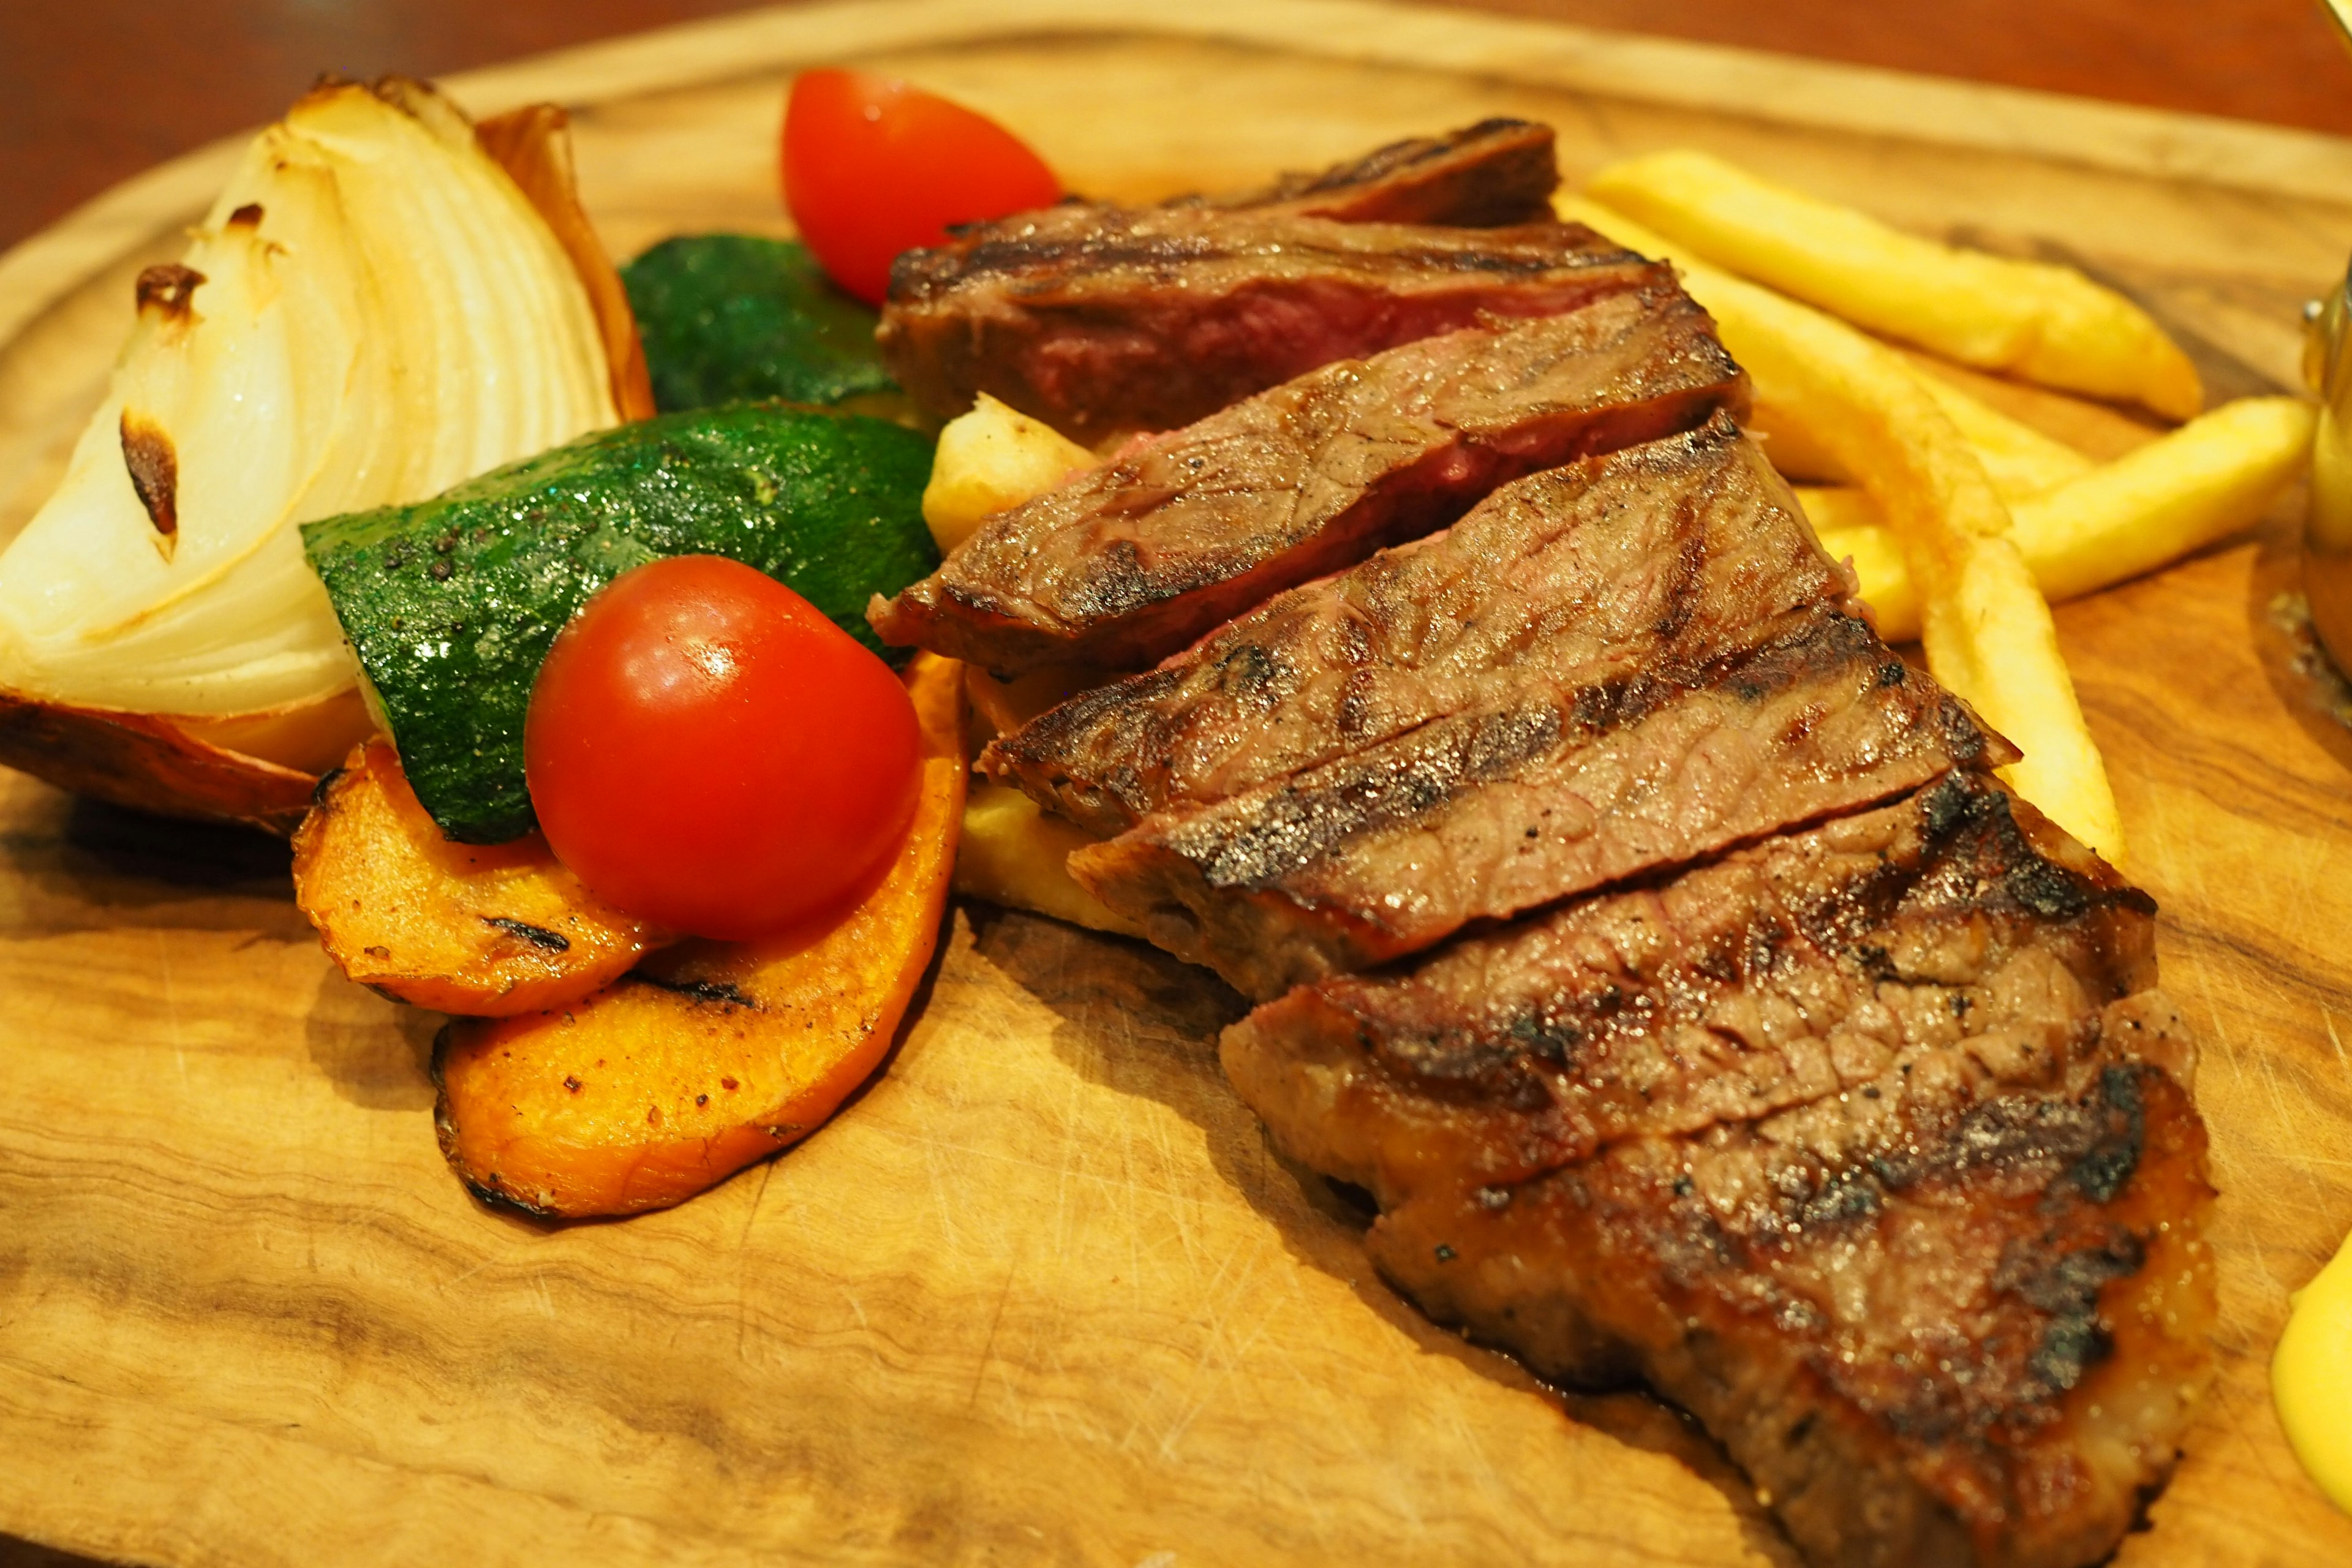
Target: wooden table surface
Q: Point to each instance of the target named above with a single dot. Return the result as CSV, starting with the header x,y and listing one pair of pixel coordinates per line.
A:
x,y
92,92
96,90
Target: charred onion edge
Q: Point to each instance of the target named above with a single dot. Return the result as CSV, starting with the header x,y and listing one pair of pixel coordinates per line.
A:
x,y
533,145
148,761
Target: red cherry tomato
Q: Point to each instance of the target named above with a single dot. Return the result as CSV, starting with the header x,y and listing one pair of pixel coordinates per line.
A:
x,y
709,753
873,168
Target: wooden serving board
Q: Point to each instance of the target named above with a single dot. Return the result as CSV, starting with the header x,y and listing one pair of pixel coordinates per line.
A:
x,y
1042,1294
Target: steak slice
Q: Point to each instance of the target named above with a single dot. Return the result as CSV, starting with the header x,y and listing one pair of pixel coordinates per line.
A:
x,y
1601,671
1867,1145
1485,175
1489,812
1674,551
1127,564
1103,321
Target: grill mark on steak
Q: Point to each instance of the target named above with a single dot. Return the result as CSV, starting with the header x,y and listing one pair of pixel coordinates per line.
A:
x,y
1103,321
1132,561
1668,1006
1494,172
1602,672
1858,1144
1483,815
1669,554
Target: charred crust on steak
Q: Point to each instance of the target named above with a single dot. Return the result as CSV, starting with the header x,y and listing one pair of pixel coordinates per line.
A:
x,y
1649,945
1315,843
1134,561
1499,171
1893,1254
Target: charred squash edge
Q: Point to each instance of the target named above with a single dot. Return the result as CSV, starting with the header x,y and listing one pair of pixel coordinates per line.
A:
x,y
937,685
336,850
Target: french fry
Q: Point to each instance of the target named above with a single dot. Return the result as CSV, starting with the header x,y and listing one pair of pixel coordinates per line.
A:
x,y
1986,632
2019,459
1879,570
1794,447
1006,705
1841,509
1010,852
1847,522
2029,319
988,460
1013,854
2204,482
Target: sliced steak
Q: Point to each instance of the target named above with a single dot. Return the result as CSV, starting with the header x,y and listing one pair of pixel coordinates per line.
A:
x,y
1674,552
1867,1145
1102,320
1601,671
1492,811
1133,561
1484,175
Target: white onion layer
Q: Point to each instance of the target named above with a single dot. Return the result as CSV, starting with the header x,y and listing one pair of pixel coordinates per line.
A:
x,y
397,320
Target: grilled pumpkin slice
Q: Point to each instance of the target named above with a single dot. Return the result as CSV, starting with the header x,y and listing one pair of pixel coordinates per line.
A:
x,y
711,1053
460,928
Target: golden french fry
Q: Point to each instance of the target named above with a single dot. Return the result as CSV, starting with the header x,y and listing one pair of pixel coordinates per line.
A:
x,y
2031,319
1013,854
1006,705
1848,525
1986,632
1795,449
2204,481
988,460
2019,459
1879,570
1839,509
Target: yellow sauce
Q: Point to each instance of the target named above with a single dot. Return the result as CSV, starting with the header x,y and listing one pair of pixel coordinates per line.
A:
x,y
2311,1378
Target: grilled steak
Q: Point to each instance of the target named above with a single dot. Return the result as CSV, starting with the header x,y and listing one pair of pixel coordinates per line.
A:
x,y
1486,813
1602,671
1484,175
1133,561
1867,1145
1102,321
1675,552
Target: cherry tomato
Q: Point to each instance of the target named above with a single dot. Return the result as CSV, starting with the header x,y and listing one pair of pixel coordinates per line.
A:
x,y
873,168
708,752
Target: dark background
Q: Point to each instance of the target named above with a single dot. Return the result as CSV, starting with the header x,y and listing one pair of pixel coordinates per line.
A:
x,y
94,90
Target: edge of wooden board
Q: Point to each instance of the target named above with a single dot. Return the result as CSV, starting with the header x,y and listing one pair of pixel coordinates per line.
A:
x,y
1780,89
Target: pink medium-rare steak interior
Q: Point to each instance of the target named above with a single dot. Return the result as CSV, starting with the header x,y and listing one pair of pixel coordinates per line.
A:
x,y
1103,320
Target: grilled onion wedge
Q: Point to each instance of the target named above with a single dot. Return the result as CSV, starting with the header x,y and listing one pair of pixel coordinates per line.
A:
x,y
386,299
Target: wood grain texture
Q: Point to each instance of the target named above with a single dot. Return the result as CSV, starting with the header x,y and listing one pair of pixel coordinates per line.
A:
x,y
1042,1293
